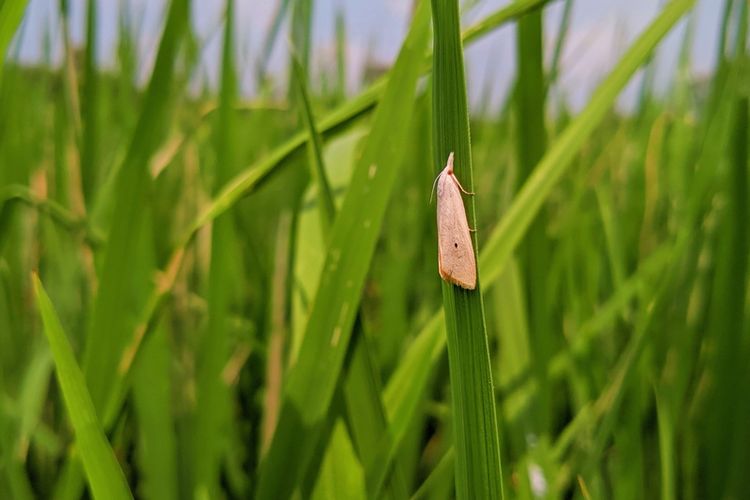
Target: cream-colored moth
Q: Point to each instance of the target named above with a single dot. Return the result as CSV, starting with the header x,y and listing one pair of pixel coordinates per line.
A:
x,y
456,262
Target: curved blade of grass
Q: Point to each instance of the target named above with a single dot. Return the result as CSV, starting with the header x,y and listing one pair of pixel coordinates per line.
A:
x,y
102,470
312,380
56,212
410,380
478,471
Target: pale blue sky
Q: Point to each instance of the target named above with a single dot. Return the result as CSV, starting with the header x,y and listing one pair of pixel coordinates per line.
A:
x,y
599,31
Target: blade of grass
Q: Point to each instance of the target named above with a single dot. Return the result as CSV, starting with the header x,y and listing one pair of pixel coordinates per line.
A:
x,y
156,447
31,398
326,204
727,362
212,409
514,359
278,337
666,422
102,470
478,471
312,380
90,107
534,252
361,388
301,35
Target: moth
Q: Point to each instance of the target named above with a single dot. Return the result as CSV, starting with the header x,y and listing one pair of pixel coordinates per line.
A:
x,y
456,262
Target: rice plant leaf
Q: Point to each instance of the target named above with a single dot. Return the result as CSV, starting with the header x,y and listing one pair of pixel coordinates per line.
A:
x,y
90,107
326,204
534,251
212,410
102,470
478,471
313,378
156,447
365,411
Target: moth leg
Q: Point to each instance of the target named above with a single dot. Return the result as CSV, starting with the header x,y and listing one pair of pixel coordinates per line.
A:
x,y
461,187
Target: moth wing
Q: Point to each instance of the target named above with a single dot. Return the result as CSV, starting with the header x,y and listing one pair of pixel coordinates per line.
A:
x,y
456,262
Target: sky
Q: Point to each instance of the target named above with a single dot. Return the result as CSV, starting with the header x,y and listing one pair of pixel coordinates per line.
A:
x,y
600,30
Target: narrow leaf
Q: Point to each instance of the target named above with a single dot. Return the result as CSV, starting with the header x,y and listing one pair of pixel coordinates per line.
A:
x,y
102,470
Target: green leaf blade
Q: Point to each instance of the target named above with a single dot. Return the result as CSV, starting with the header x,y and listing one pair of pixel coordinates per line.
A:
x,y
478,469
102,470
311,383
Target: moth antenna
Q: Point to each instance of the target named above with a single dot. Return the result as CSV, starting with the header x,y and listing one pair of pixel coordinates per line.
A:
x,y
432,191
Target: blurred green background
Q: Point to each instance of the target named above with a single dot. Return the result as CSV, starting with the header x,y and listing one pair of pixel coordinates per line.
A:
x,y
218,272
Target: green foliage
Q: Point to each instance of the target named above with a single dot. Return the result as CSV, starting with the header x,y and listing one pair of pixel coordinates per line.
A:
x,y
478,473
104,474
249,284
